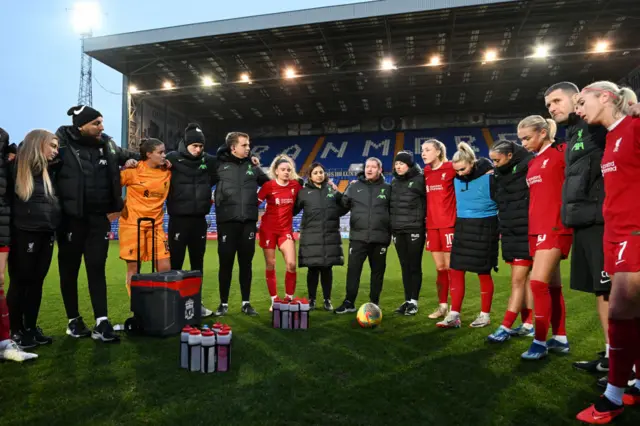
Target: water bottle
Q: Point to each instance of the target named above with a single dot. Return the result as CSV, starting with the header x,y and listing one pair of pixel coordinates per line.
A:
x,y
304,314
216,327
223,348
284,315
184,347
208,352
195,341
294,312
275,314
227,328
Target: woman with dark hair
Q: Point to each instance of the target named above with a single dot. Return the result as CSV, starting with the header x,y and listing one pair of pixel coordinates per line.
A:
x,y
511,163
147,189
36,215
408,209
320,240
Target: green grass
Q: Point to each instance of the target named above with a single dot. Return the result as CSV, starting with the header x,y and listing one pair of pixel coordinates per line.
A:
x,y
406,371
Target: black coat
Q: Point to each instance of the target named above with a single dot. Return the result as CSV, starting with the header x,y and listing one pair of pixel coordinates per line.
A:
x,y
368,202
583,189
39,213
191,182
408,202
320,240
237,181
70,175
475,240
5,193
512,197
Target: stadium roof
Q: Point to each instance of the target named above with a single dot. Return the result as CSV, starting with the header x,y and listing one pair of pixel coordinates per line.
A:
x,y
336,54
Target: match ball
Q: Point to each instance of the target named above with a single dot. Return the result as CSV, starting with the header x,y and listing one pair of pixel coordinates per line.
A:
x,y
369,315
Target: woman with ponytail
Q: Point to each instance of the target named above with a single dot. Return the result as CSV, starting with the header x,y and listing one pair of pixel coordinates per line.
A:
x,y
549,240
606,104
475,245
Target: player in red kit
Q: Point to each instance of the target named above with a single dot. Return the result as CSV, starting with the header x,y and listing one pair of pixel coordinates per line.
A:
x,y
606,104
549,240
276,226
441,215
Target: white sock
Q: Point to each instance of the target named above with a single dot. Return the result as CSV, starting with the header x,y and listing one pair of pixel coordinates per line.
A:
x,y
99,320
505,328
245,302
73,319
444,305
4,343
273,298
527,326
457,314
414,301
606,353
614,394
290,296
538,342
226,305
486,314
561,339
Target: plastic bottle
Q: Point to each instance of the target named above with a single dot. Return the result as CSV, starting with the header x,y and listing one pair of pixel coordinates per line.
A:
x,y
304,314
223,348
284,315
195,341
184,347
227,327
275,314
216,327
208,352
294,312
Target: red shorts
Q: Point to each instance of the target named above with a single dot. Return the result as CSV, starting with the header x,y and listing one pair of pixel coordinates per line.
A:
x,y
622,256
439,240
272,240
4,249
521,262
551,241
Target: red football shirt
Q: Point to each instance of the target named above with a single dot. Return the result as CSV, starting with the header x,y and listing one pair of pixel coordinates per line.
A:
x,y
620,166
441,196
280,201
545,179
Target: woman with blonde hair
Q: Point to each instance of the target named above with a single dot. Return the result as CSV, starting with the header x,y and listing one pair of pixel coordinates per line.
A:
x,y
475,245
276,226
36,215
606,104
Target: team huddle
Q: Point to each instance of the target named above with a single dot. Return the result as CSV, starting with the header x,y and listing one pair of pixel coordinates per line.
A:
x,y
534,203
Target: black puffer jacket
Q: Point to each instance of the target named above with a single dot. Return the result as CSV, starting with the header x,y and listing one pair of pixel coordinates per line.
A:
x,y
39,213
475,241
583,189
368,202
408,202
5,197
70,173
237,182
512,197
320,241
191,182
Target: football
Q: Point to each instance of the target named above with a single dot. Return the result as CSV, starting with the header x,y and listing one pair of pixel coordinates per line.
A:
x,y
369,315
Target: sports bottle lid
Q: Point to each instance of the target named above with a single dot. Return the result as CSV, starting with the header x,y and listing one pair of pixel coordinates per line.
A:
x,y
194,332
207,333
186,329
224,332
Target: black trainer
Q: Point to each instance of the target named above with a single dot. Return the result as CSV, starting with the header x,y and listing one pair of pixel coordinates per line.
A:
x,y
312,304
39,337
600,365
104,331
222,310
77,328
412,309
327,305
247,309
402,308
346,307
603,381
24,340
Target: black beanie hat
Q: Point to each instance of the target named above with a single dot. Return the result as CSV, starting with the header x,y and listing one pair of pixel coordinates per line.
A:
x,y
193,134
83,114
406,157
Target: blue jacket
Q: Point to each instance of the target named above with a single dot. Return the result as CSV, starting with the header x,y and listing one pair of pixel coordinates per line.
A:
x,y
475,192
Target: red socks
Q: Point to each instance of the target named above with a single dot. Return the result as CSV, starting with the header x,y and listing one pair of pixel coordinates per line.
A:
x,y
290,283
486,292
525,314
622,353
509,319
271,282
542,304
558,312
443,286
457,289
5,328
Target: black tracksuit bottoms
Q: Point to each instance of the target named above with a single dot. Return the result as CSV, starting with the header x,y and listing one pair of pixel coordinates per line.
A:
x,y
88,236
410,248
325,274
187,233
359,251
29,261
240,238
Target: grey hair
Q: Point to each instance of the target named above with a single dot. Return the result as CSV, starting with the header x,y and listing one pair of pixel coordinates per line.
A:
x,y
375,160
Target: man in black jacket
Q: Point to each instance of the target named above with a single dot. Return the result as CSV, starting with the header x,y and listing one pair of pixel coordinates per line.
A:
x,y
368,200
236,200
88,186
